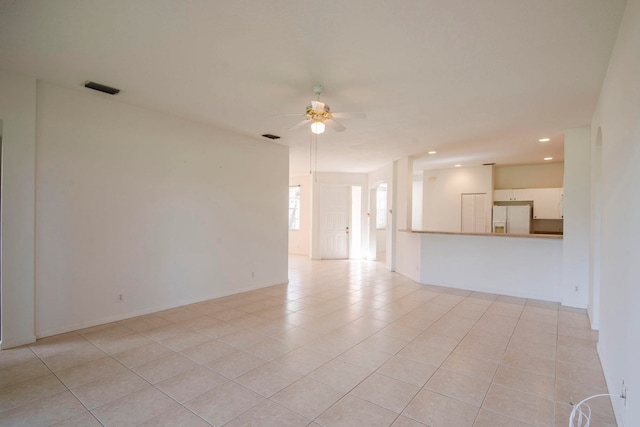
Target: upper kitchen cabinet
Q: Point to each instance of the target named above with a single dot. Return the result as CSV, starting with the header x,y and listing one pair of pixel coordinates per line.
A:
x,y
513,195
547,203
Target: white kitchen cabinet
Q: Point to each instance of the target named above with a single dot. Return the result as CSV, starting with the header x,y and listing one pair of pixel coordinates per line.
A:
x,y
523,194
502,195
547,203
513,195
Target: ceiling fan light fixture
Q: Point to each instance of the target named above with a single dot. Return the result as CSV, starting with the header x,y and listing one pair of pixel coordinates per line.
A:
x,y
317,127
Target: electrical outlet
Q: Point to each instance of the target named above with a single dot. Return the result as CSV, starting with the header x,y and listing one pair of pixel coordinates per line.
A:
x,y
623,394
120,297
577,288
253,274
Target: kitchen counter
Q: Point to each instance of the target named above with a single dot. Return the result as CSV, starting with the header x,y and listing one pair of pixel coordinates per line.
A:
x,y
534,236
525,266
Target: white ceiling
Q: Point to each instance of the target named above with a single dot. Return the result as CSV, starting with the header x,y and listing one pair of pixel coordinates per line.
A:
x,y
477,80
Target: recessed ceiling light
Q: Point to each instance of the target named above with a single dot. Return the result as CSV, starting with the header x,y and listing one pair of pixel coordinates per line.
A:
x,y
432,152
458,166
548,158
544,139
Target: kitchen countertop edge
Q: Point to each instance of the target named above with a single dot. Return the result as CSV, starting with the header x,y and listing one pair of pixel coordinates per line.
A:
x,y
530,236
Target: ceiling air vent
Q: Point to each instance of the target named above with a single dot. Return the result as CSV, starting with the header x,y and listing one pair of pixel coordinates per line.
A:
x,y
270,136
101,88
488,164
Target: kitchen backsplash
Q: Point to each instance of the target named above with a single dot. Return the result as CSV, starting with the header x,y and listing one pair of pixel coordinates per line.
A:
x,y
546,226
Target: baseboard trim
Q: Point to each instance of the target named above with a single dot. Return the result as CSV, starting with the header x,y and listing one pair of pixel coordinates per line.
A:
x,y
4,345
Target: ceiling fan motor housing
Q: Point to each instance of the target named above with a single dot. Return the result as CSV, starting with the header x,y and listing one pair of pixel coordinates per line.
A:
x,y
318,116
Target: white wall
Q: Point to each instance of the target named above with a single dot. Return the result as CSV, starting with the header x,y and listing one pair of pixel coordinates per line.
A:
x,y
416,204
403,185
401,204
300,240
163,210
408,255
442,196
595,252
381,242
577,211
545,175
18,115
617,118
524,267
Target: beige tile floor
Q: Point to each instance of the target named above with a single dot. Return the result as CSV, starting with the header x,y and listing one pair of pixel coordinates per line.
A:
x,y
345,343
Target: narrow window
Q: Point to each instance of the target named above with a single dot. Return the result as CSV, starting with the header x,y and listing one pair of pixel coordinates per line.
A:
x,y
294,207
381,207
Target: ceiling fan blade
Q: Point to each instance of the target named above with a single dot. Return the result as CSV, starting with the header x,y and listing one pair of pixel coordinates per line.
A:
x,y
350,115
317,106
334,125
301,124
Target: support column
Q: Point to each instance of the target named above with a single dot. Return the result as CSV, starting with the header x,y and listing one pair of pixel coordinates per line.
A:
x,y
401,205
577,217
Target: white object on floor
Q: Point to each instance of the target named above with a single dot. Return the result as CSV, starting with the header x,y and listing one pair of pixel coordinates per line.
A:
x,y
580,418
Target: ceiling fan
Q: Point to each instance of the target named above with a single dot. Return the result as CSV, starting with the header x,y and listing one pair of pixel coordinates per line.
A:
x,y
319,114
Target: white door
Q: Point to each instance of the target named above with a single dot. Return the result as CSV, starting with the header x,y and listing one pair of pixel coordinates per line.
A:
x,y
335,206
473,213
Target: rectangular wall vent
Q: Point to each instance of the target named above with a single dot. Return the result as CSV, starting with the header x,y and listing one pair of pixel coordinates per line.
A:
x,y
101,88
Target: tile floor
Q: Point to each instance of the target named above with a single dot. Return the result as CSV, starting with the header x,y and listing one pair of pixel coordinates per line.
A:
x,y
345,343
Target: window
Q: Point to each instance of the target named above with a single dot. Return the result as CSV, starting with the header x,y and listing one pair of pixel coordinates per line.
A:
x,y
294,208
381,207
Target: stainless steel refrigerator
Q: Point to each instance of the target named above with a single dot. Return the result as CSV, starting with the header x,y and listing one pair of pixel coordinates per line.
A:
x,y
515,219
